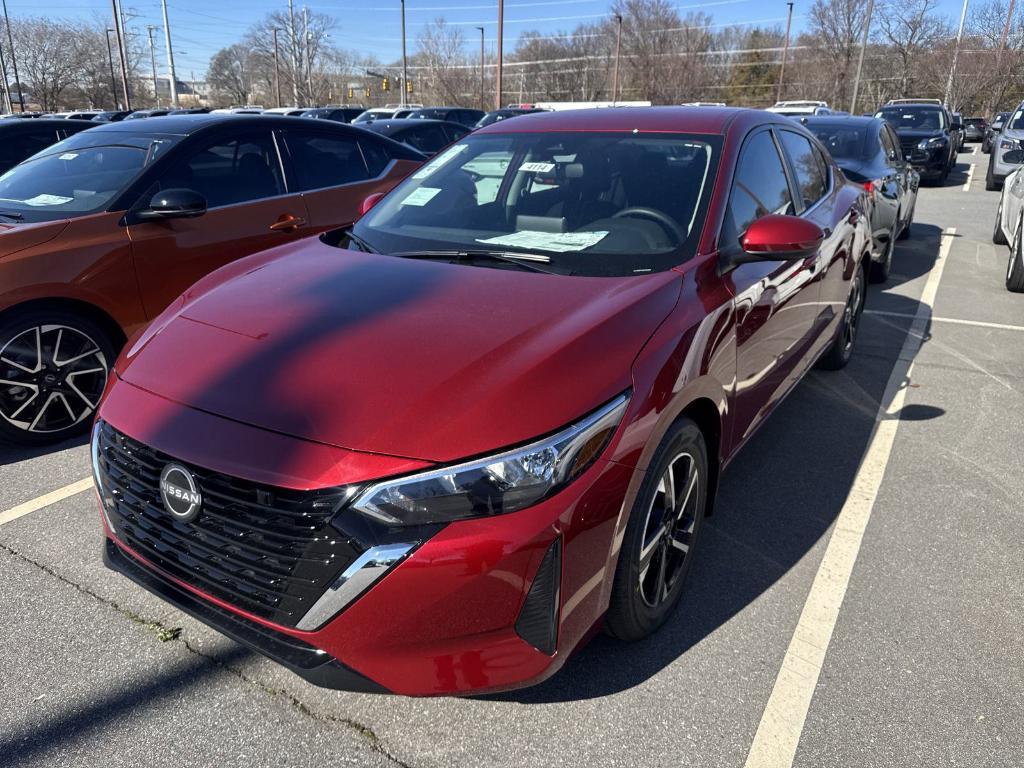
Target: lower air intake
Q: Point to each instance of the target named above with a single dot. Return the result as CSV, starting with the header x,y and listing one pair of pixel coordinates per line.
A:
x,y
538,620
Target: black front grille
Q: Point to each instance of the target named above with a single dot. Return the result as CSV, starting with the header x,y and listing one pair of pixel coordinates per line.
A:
x,y
908,145
269,551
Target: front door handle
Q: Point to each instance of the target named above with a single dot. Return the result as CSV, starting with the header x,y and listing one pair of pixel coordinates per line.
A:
x,y
287,223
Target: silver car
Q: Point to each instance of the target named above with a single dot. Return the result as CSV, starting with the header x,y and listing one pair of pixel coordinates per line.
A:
x,y
1009,224
1005,158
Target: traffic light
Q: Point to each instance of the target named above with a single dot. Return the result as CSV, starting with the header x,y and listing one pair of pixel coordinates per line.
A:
x,y
386,85
351,93
367,92
408,87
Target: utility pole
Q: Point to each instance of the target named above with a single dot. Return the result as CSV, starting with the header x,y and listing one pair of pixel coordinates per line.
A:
x,y
8,105
501,36
152,63
860,58
618,55
785,52
14,60
113,80
481,31
956,54
295,50
309,64
277,69
999,53
121,54
172,74
405,61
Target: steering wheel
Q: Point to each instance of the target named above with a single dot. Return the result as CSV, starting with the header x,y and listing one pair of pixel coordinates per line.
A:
x,y
657,216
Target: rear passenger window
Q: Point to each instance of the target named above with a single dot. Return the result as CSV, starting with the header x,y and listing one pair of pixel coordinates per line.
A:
x,y
325,161
809,174
760,187
376,157
231,172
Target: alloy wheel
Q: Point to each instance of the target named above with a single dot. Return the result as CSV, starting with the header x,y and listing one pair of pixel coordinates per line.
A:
x,y
668,529
51,378
851,315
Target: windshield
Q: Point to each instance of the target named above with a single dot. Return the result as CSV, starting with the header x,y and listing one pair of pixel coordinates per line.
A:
x,y
585,203
1016,122
903,119
72,182
844,141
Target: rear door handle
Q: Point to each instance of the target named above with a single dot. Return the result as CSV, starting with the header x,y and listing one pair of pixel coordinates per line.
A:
x,y
287,223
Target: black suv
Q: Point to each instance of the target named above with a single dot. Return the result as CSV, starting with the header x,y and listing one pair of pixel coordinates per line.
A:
x,y
928,137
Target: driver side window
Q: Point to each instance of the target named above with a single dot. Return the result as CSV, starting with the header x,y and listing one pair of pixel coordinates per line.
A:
x,y
760,187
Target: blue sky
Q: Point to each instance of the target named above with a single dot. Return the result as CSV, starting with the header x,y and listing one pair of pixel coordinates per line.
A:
x,y
201,27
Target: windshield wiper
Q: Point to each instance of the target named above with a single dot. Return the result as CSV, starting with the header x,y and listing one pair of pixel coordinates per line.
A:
x,y
13,216
525,261
363,245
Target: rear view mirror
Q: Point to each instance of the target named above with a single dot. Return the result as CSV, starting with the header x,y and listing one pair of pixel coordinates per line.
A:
x,y
369,202
782,238
174,204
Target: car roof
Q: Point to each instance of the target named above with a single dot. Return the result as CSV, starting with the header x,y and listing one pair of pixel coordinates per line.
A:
x,y
708,120
854,120
389,126
185,125
42,122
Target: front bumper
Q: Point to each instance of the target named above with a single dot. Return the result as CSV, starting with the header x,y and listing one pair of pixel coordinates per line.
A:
x,y
446,620
930,163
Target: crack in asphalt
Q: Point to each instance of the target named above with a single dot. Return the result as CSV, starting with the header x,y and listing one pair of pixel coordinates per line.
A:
x,y
165,634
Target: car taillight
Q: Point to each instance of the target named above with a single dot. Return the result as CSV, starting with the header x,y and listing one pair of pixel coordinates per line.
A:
x,y
870,187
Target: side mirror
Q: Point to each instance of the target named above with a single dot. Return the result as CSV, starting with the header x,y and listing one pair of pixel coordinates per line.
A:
x,y
781,238
958,126
174,204
369,202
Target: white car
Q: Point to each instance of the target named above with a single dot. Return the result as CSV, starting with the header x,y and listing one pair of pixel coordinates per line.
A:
x,y
1008,227
800,108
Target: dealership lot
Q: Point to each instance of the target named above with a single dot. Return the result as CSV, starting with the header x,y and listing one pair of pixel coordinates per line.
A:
x,y
923,666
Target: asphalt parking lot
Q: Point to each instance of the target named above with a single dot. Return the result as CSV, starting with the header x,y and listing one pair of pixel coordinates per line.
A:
x,y
857,600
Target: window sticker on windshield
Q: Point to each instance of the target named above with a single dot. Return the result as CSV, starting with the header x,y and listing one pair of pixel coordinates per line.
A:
x,y
548,241
445,157
420,196
536,167
68,156
47,200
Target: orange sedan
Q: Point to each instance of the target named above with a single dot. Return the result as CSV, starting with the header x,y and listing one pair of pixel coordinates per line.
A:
x,y
100,232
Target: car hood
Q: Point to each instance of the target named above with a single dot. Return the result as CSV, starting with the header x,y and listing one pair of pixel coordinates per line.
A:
x,y
418,359
15,237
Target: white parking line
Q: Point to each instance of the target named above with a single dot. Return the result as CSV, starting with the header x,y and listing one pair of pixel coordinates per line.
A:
x,y
970,175
782,722
45,500
955,320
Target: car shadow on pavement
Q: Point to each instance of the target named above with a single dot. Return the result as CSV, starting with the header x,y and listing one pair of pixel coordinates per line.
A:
x,y
958,175
776,501
13,454
37,738
914,256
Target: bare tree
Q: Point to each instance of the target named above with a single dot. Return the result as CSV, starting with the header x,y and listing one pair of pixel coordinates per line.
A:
x,y
910,28
835,28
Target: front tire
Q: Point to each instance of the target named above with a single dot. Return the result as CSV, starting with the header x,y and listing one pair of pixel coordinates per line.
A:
x,y
1015,267
841,350
998,236
991,185
53,369
661,535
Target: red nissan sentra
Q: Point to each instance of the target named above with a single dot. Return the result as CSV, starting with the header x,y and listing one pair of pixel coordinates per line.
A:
x,y
432,453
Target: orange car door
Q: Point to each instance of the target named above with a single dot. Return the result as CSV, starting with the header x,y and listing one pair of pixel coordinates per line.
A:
x,y
249,209
336,171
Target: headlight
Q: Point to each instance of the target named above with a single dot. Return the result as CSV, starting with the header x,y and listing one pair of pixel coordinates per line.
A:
x,y
1008,144
496,485
932,143
106,499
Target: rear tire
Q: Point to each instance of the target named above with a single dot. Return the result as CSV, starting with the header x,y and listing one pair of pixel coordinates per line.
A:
x,y
905,232
841,350
998,236
55,364
653,563
1015,267
880,269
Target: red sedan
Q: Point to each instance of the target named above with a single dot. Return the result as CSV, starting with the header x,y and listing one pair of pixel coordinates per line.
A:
x,y
432,453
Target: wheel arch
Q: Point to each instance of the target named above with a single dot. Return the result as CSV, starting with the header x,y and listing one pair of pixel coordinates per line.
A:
x,y
75,306
704,413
